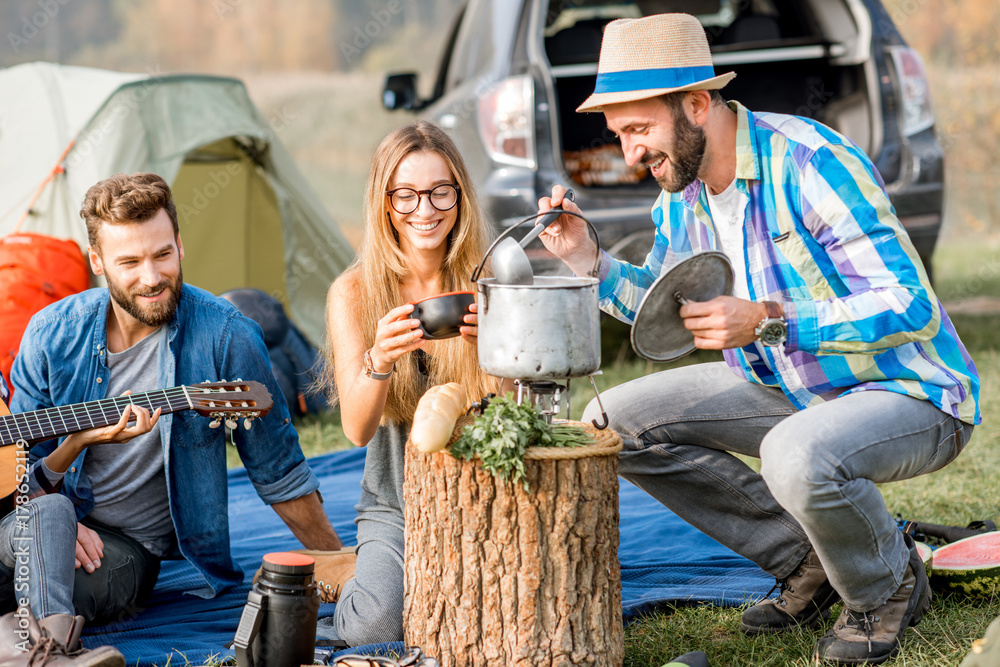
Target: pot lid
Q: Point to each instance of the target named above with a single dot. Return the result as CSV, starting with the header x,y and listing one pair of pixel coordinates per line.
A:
x,y
658,332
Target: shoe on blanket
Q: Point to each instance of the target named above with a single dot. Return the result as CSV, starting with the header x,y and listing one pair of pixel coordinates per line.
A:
x,y
333,570
805,600
53,641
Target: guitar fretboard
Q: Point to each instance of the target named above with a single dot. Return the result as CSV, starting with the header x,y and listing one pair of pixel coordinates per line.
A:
x,y
56,422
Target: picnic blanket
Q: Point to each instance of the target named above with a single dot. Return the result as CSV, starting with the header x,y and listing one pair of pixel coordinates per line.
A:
x,y
663,560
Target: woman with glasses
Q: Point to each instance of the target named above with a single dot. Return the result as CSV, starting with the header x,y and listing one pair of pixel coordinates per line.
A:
x,y
424,234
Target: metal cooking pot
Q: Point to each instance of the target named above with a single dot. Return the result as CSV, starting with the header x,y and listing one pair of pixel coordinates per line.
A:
x,y
545,331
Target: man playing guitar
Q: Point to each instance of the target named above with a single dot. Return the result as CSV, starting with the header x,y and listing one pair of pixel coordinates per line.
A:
x,y
163,495
40,536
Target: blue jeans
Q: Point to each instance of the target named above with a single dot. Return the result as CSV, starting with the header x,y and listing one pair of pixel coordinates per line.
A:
x,y
818,469
37,554
37,561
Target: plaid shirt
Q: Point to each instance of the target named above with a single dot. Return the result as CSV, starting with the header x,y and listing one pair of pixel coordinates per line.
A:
x,y
821,238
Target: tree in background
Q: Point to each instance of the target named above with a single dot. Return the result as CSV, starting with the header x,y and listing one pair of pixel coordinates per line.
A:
x,y
221,36
33,30
957,39
226,36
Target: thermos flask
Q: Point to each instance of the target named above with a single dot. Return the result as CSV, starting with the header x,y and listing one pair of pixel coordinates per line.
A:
x,y
278,625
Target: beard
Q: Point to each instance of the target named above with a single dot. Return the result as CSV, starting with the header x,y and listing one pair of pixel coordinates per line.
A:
x,y
153,314
689,152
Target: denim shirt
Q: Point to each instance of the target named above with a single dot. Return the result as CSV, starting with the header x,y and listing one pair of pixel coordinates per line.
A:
x,y
63,360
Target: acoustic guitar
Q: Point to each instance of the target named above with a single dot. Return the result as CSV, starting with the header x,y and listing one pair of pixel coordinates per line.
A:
x,y
229,401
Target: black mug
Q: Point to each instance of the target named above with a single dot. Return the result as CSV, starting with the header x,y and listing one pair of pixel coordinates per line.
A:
x,y
278,625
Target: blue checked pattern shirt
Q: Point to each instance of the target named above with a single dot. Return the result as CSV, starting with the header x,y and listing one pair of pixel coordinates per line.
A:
x,y
821,238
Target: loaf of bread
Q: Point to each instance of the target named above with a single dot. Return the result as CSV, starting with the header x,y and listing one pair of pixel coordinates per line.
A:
x,y
437,412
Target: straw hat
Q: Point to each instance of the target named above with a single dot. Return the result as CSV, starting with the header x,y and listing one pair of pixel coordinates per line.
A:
x,y
652,56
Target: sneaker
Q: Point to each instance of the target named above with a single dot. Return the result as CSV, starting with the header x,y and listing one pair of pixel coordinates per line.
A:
x,y
333,570
805,599
692,659
873,636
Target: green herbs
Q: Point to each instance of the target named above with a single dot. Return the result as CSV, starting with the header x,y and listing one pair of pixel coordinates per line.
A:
x,y
505,430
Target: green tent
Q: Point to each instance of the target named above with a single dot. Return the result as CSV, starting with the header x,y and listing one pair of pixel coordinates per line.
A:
x,y
248,217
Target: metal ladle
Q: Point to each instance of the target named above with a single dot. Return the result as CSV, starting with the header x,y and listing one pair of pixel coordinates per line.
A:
x,y
510,263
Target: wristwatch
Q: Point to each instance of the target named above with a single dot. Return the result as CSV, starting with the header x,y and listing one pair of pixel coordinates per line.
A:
x,y
772,330
370,368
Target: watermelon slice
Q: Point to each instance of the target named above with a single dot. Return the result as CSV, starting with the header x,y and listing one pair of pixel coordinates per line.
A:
x,y
970,566
926,553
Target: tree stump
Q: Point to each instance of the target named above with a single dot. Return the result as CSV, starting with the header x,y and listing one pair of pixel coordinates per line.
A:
x,y
499,576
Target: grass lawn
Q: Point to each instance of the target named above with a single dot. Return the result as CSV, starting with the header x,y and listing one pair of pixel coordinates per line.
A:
x,y
963,491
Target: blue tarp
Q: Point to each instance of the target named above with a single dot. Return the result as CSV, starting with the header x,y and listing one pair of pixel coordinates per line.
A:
x,y
663,561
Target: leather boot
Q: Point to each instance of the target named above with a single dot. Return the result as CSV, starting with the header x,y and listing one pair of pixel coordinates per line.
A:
x,y
805,599
52,642
15,641
333,570
873,636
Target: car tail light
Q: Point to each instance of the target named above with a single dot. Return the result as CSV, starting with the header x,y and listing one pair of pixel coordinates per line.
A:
x,y
915,94
507,121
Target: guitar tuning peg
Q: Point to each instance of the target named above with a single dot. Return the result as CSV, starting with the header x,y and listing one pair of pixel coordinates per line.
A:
x,y
231,423
215,423
247,423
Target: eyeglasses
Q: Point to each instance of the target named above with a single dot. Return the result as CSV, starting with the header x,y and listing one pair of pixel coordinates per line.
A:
x,y
406,200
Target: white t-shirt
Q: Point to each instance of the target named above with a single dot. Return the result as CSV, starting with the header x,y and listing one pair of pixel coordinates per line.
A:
x,y
728,209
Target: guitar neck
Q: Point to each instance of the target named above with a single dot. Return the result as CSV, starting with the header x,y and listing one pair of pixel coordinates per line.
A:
x,y
39,425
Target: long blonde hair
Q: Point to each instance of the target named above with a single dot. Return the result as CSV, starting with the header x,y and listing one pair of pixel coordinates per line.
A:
x,y
382,265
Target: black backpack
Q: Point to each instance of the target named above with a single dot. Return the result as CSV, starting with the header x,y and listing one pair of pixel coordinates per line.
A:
x,y
295,362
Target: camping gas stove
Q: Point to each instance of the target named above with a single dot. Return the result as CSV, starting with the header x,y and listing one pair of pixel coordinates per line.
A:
x,y
547,396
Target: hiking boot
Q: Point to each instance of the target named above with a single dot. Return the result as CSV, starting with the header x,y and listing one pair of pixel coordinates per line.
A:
x,y
333,570
873,636
805,599
52,642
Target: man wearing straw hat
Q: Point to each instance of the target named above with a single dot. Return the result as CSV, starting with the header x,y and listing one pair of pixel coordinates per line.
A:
x,y
843,369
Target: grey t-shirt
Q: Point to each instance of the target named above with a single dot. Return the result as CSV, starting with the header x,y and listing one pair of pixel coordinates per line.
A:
x,y
129,481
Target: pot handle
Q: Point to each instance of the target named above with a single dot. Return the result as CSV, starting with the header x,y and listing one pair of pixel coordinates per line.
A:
x,y
557,211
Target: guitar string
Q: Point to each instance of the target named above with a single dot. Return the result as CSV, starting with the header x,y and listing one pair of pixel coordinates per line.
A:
x,y
89,410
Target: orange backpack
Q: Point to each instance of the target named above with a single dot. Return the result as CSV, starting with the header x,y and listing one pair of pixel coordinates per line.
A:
x,y
35,270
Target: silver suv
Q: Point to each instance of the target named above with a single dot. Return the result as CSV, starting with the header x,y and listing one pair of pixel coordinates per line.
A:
x,y
513,72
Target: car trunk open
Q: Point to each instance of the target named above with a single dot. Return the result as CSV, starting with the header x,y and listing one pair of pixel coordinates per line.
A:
x,y
802,58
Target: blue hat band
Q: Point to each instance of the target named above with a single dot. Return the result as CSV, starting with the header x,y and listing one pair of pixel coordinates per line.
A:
x,y
651,79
